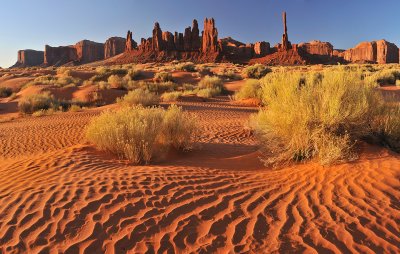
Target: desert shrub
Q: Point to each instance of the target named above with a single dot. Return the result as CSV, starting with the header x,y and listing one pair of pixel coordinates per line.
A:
x,y
139,134
190,67
158,88
204,70
323,118
171,96
102,85
251,89
35,102
116,82
256,71
139,97
383,77
63,72
398,82
229,74
134,74
5,92
208,92
75,108
163,77
211,82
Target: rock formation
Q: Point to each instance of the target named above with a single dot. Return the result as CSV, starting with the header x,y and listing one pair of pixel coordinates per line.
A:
x,y
29,57
196,43
168,41
157,38
380,52
210,36
114,46
187,39
262,48
285,44
130,43
57,56
179,41
89,51
317,48
82,52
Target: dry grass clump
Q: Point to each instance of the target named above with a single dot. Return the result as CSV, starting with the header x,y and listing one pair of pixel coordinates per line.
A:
x,y
208,92
256,71
251,89
36,102
5,92
190,67
139,97
171,96
322,116
163,77
61,80
139,134
211,82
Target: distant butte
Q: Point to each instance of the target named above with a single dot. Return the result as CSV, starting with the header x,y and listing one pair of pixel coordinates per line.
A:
x,y
191,45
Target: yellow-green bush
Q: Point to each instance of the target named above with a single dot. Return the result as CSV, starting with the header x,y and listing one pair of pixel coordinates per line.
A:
x,y
139,97
171,96
139,134
35,102
251,89
211,82
163,77
256,71
320,116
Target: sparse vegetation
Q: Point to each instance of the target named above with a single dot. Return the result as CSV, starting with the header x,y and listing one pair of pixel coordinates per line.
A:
x,y
190,67
171,96
211,82
256,71
309,117
139,97
139,134
5,92
35,102
163,77
251,89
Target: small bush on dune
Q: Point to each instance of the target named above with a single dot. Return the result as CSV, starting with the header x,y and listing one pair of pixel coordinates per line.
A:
x,y
321,117
139,97
256,71
190,67
251,89
116,82
208,92
35,102
134,74
163,77
171,96
211,82
139,134
5,92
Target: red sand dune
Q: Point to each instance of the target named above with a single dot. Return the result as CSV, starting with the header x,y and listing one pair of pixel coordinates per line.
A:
x,y
59,195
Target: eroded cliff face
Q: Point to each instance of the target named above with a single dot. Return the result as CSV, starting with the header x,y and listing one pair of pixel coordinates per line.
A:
x,y
82,52
317,48
29,57
114,46
380,52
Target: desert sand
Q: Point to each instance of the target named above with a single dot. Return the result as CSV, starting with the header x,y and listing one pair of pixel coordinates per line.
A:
x,y
58,194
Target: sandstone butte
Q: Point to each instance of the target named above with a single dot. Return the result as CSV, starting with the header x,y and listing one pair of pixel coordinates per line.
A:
x,y
191,45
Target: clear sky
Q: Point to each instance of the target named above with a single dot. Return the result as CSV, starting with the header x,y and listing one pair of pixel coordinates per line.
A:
x,y
30,24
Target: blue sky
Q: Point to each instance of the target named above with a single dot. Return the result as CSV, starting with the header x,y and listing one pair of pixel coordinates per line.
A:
x,y
28,24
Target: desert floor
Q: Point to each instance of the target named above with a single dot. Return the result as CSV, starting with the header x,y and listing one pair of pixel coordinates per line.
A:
x,y
59,195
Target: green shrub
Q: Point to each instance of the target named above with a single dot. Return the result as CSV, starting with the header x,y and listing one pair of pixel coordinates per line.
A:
x,y
134,74
211,82
251,89
256,71
139,134
208,92
163,77
190,67
5,92
171,96
139,97
35,102
308,117
116,82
